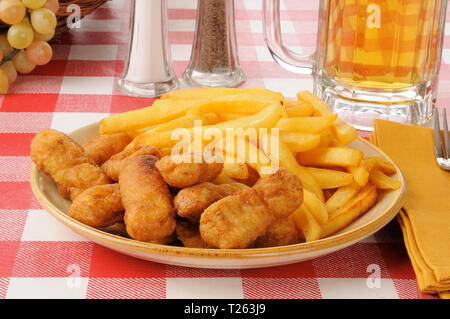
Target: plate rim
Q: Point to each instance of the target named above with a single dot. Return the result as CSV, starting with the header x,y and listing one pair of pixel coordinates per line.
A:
x,y
334,241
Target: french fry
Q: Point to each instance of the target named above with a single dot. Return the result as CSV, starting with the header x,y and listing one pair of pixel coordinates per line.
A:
x,y
330,157
345,132
229,116
287,159
208,93
315,206
306,224
327,137
380,163
264,119
383,181
357,206
295,108
236,170
238,104
300,142
223,178
329,178
360,174
160,112
340,197
310,124
186,121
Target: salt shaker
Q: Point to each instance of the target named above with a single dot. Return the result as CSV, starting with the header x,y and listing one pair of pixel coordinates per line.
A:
x,y
214,58
148,70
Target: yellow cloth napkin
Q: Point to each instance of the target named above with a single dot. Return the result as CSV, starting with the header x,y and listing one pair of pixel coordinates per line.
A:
x,y
425,216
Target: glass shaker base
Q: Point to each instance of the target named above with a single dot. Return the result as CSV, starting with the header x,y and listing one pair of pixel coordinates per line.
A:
x,y
146,89
360,107
229,79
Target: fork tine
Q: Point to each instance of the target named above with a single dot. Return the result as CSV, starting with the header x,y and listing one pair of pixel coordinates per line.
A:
x,y
446,137
437,136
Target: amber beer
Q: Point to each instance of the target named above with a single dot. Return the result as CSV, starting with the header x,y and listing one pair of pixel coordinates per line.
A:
x,y
380,44
374,58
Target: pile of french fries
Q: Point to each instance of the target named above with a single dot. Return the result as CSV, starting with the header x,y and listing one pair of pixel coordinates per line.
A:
x,y
340,184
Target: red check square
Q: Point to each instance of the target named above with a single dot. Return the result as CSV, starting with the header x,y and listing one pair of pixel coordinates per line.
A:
x,y
12,222
29,102
111,264
356,261
8,251
13,144
15,195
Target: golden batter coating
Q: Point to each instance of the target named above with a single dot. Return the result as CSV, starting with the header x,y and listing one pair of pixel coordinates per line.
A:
x,y
192,201
238,220
182,175
100,148
149,214
98,206
281,232
58,155
114,164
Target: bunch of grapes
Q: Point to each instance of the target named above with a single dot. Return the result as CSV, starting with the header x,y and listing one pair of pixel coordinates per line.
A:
x,y
25,45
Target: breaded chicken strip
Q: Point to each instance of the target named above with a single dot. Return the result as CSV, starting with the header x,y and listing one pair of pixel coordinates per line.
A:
x,y
98,206
281,232
100,148
190,202
114,164
189,235
181,175
58,155
149,214
238,220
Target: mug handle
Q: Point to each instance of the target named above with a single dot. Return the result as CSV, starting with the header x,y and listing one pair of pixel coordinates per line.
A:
x,y
288,59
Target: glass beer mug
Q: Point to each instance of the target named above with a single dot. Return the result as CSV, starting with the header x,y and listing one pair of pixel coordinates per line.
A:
x,y
373,58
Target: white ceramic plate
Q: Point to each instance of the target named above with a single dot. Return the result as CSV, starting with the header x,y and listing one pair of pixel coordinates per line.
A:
x,y
389,203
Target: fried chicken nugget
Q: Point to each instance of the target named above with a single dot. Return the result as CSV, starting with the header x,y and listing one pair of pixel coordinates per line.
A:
x,y
100,148
236,221
181,175
149,214
114,164
189,235
190,202
281,232
58,155
98,206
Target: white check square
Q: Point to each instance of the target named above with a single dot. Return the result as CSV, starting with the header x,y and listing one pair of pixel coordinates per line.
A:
x,y
69,121
47,288
87,85
41,226
202,288
102,52
357,288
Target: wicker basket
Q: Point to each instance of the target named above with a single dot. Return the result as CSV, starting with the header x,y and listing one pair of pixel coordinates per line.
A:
x,y
86,7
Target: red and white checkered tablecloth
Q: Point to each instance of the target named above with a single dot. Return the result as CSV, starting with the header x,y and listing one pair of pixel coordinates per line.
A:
x,y
41,258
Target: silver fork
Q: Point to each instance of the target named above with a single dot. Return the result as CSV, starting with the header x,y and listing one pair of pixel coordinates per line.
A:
x,y
442,153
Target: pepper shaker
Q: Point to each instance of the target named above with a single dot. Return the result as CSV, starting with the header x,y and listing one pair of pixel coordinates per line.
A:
x,y
148,70
214,58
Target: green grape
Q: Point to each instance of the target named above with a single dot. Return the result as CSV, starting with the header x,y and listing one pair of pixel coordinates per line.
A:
x,y
43,20
5,47
12,11
34,4
4,82
39,52
20,35
10,70
44,37
52,5
22,64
